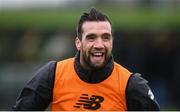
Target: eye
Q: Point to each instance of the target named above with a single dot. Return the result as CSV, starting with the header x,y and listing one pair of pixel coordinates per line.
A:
x,y
106,37
90,37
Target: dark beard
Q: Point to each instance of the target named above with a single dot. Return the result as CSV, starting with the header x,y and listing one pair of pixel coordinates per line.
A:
x,y
91,65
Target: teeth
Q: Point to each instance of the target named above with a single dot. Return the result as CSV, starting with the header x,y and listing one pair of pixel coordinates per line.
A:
x,y
98,54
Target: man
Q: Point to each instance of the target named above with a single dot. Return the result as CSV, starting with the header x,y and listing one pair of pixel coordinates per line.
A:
x,y
89,81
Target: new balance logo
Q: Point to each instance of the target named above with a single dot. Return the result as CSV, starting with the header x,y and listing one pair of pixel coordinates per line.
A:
x,y
91,103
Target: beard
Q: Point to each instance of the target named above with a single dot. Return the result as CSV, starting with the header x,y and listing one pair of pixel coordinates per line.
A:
x,y
86,56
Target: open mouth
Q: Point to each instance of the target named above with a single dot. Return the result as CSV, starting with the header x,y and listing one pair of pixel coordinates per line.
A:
x,y
97,56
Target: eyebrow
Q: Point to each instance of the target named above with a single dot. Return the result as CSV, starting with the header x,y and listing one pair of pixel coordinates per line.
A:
x,y
108,34
89,35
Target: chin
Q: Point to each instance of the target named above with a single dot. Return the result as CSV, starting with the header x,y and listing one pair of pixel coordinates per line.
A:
x,y
98,66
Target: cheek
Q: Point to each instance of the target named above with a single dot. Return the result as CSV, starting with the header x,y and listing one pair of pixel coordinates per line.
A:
x,y
86,46
109,46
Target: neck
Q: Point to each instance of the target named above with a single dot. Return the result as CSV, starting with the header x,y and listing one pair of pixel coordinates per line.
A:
x,y
92,75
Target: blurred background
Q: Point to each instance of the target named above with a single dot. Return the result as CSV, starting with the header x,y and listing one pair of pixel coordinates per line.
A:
x,y
147,40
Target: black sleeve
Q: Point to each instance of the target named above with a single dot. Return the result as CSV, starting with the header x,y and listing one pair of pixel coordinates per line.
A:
x,y
37,93
139,95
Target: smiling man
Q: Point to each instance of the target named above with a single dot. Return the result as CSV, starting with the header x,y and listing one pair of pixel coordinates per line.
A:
x,y
91,80
95,44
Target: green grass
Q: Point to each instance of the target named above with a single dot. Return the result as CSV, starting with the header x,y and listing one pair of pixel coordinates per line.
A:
x,y
68,18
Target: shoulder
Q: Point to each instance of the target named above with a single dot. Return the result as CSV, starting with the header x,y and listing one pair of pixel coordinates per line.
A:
x,y
48,67
137,84
65,64
139,95
121,69
44,73
66,60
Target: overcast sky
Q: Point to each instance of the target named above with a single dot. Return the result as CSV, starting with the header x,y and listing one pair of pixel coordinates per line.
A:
x,y
8,4
25,4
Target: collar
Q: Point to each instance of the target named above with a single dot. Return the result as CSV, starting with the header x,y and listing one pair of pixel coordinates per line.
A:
x,y
95,75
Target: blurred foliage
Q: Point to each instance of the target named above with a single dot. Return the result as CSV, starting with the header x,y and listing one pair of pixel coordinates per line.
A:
x,y
67,18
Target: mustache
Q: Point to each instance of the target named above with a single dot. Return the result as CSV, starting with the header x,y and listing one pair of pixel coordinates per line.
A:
x,y
93,50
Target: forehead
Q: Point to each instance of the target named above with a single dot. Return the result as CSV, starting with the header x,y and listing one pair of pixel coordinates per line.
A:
x,y
96,27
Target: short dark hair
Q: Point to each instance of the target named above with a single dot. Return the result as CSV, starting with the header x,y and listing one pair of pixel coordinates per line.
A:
x,y
93,15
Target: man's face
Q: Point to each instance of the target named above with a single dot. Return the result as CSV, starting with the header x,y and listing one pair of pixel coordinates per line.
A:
x,y
96,44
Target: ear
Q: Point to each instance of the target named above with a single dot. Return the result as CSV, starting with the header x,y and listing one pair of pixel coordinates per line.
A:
x,y
78,43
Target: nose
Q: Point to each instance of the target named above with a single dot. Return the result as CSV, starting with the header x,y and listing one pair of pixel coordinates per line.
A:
x,y
98,44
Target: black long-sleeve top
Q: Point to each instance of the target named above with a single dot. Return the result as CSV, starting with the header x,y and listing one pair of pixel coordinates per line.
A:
x,y
37,93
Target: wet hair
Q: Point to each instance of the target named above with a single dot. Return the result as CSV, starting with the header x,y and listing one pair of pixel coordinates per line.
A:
x,y
93,15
